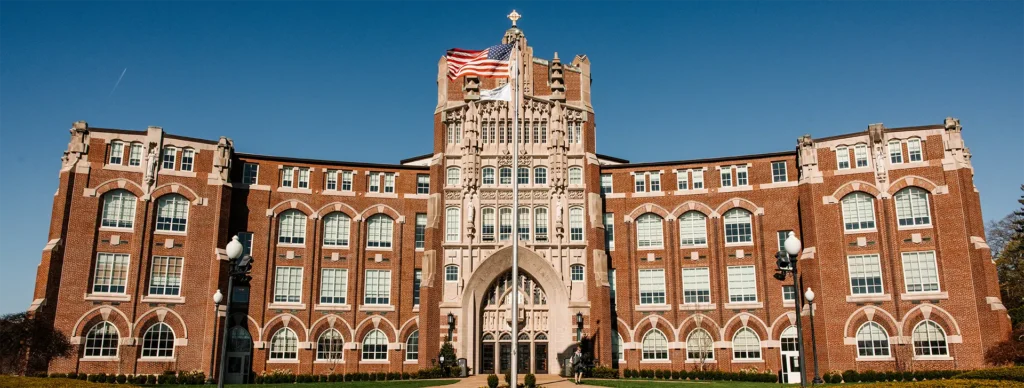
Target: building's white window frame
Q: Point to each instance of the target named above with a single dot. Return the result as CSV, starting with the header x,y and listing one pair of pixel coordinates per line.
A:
x,y
284,345
693,229
346,180
504,224
609,230
330,346
576,224
788,293
606,184
337,227
779,171
914,151
725,173
639,182
250,173
576,272
860,154
288,284
188,159
895,148
333,286
291,227
375,346
288,176
747,347
380,231
872,341
303,181
168,158
422,184
780,238
920,271
452,176
118,209
652,286
453,224
135,154
373,182
158,342
377,287
742,283
505,175
929,340
742,178
451,273
650,231
102,340
420,236
611,283
523,224
331,180
618,347
700,345
865,274
412,346
488,174
540,224
696,285
110,275
655,182
523,175
540,175
912,207
389,182
698,179
246,239
165,275
116,152
654,346
575,176
417,281
488,219
842,158
172,213
858,211
738,224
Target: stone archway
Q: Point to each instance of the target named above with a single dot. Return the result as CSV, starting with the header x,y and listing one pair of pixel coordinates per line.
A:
x,y
559,329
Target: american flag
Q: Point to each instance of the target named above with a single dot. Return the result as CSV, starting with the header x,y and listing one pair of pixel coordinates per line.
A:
x,y
492,62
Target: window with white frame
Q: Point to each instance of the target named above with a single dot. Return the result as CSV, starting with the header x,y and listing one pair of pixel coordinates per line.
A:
x,y
544,131
920,272
118,209
380,228
331,180
188,157
698,179
738,226
504,224
693,229
158,341
451,224
334,286
523,224
742,284
865,274
346,181
843,158
523,175
375,346
303,177
378,287
373,182
788,294
779,172
540,176
606,183
291,227
116,152
412,346
611,283
487,224
389,182
929,340
250,173
576,272
682,180
639,182
284,345
172,213
421,230
788,339
336,229
895,152
417,279
169,155
246,239
330,345
617,348
655,345
741,176
699,345
872,340
726,175
576,224
111,273
781,236
649,231
860,154
488,175
652,286
540,224
505,176
287,176
655,181
451,273
696,285
135,154
102,340
914,150
746,345
858,211
575,175
288,284
912,207
453,176
165,276
454,133
609,230
422,184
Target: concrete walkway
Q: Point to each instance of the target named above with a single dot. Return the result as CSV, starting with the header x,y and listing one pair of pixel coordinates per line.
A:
x,y
546,381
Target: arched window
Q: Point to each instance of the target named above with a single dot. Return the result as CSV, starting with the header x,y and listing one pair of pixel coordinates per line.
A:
x,y
693,229
788,340
540,176
655,345
330,346
617,353
375,346
540,224
541,337
380,228
929,340
505,337
576,271
239,340
452,224
912,207
648,231
872,341
451,273
412,346
116,152
746,345
505,176
292,227
336,229
453,176
158,341
524,337
118,209
523,175
737,226
699,345
172,213
102,340
487,231
488,174
575,175
284,345
858,211
576,224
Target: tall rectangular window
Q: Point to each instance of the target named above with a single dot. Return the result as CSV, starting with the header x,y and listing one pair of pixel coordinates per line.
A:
x,y
116,152
652,286
523,224
726,173
782,236
639,182
487,222
540,224
609,230
860,153
334,286
544,131
346,181
895,152
187,159
135,155
698,179
287,176
611,282
682,180
742,284
606,183
843,157
246,239
304,177
788,294
422,184
378,287
288,285
504,224
914,150
779,172
452,224
741,176
417,278
389,182
655,181
331,179
523,175
250,172
168,158
865,274
920,272
696,285
165,276
576,224
111,274
373,182
421,230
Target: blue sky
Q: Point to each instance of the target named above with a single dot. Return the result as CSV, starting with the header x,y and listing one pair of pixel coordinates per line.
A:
x,y
672,81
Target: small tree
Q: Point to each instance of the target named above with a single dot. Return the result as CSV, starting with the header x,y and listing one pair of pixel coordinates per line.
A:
x,y
1009,352
1010,261
28,343
448,352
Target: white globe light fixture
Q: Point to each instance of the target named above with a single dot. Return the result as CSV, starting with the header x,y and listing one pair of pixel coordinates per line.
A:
x,y
218,297
809,295
234,249
792,244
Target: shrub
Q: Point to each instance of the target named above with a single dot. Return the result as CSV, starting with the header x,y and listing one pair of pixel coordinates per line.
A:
x,y
151,379
508,377
657,374
627,373
492,381
604,372
530,380
258,379
121,379
406,376
851,376
1009,374
381,376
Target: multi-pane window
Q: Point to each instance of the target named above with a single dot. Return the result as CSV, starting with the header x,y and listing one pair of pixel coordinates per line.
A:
x,y
617,353
336,229
287,176
860,153
682,180
639,183
523,175
412,346
726,174
865,274
188,157
540,176
576,272
895,152
858,211
421,230
111,274
373,182
652,286
346,181
379,230
118,209
544,131
172,213
914,150
504,224
696,285
375,346
523,224
102,340
246,239
929,340
389,182
168,158
135,155
487,222
698,179
611,283
303,177
291,227
284,345
655,181
250,171
606,183
782,235
331,180
417,279
576,224
649,231
540,224
779,172
737,226
288,285
609,230
158,341
451,273
741,176
488,175
165,276
693,229
575,175
451,224
453,176
843,157
378,287
912,207
699,345
454,133
920,272
330,346
116,152
872,341
788,340
746,345
422,184
788,294
334,286
655,346
742,284
505,176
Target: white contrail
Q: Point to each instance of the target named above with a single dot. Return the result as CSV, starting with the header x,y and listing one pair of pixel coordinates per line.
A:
x,y
118,82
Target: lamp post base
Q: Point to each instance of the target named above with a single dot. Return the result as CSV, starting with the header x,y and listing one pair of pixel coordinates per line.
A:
x,y
817,380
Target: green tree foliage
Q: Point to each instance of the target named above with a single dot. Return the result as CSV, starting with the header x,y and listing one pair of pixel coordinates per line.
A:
x,y
1010,260
28,343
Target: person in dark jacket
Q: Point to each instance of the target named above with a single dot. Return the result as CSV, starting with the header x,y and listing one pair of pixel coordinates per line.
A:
x,y
577,364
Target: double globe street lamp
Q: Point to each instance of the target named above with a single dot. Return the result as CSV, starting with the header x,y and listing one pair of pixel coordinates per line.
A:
x,y
786,263
238,271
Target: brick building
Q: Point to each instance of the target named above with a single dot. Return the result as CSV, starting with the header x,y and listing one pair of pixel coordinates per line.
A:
x,y
358,266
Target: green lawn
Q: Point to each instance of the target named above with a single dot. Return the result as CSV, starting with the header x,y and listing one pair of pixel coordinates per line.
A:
x,y
356,384
681,384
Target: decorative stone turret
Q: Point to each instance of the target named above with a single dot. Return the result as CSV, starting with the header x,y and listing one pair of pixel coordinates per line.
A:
x,y
556,79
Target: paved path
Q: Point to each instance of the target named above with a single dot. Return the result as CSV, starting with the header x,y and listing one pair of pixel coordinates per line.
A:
x,y
546,381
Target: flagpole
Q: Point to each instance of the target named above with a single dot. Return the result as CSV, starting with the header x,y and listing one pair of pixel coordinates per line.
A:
x,y
515,216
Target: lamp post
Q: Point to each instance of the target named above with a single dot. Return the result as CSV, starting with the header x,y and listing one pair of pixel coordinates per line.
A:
x,y
451,325
809,295
217,298
237,270
579,327
786,262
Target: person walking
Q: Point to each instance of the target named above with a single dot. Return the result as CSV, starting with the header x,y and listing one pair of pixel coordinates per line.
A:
x,y
577,364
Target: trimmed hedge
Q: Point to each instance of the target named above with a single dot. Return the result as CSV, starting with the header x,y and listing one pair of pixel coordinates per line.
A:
x,y
1009,373
700,375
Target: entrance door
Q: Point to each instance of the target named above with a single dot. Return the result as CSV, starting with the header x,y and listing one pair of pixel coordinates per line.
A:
x,y
487,355
791,368
239,356
524,357
505,355
540,357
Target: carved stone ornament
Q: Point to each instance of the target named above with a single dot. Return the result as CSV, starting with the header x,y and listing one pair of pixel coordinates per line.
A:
x,y
487,195
77,146
151,165
222,158
453,194
575,194
505,160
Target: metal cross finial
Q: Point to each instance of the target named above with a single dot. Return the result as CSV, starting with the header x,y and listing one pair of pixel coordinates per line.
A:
x,y
513,17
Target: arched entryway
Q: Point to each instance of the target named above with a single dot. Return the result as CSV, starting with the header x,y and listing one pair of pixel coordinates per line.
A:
x,y
496,325
239,356
790,356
